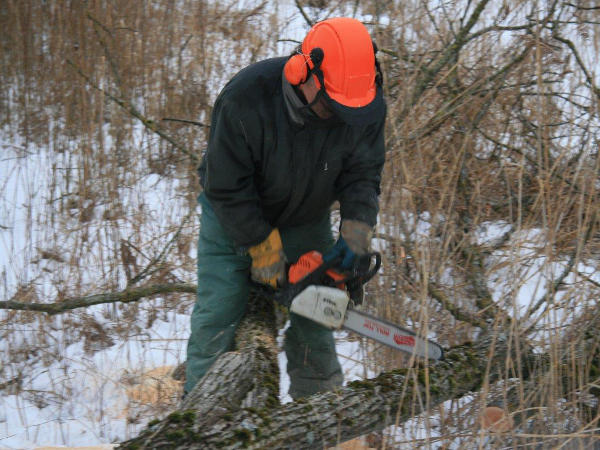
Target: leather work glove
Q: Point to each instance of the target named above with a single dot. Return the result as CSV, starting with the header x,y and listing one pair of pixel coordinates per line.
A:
x,y
355,240
268,261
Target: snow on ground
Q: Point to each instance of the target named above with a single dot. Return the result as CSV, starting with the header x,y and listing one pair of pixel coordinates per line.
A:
x,y
82,397
93,389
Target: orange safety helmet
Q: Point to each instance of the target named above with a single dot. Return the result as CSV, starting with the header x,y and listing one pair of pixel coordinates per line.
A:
x,y
340,54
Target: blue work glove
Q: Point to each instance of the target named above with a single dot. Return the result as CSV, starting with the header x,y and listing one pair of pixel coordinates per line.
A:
x,y
354,241
342,251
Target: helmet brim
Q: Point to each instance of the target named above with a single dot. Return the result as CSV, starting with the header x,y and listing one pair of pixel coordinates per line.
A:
x,y
359,116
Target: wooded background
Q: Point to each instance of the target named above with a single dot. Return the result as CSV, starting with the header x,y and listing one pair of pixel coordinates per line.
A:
x,y
488,227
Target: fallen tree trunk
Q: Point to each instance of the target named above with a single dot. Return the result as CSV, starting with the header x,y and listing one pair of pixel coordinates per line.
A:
x,y
328,418
236,404
245,378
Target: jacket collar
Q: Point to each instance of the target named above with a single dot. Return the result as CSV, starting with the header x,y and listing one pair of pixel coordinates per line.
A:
x,y
298,111
292,102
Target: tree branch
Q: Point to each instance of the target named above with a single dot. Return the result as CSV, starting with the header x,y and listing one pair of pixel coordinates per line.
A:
x,y
301,9
580,62
125,296
148,270
448,55
127,106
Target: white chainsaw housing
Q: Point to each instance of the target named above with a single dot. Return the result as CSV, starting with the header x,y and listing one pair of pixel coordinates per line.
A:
x,y
322,304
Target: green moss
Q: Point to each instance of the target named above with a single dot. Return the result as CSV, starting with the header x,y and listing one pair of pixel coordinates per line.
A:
x,y
270,382
192,436
242,434
434,387
386,383
173,436
452,383
153,423
264,415
362,384
453,357
174,417
189,416
272,401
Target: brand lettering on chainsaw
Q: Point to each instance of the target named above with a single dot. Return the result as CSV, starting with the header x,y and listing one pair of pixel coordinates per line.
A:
x,y
332,313
328,300
374,326
404,340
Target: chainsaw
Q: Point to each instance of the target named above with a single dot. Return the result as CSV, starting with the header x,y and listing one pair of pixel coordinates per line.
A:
x,y
319,292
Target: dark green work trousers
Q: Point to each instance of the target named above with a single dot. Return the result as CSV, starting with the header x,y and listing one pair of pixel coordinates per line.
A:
x,y
223,287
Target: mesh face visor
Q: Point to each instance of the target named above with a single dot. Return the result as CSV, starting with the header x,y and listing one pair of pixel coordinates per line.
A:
x,y
363,115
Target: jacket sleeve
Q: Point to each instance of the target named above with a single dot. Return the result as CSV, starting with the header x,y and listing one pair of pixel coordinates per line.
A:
x,y
358,186
229,178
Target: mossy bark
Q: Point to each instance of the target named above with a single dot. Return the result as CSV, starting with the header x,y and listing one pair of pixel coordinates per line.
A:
x,y
323,419
247,378
235,405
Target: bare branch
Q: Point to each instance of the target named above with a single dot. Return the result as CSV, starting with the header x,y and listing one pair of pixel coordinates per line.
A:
x,y
147,271
448,55
126,296
303,13
191,122
580,62
128,106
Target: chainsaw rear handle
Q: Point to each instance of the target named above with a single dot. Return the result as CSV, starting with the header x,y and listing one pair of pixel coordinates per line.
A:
x,y
370,270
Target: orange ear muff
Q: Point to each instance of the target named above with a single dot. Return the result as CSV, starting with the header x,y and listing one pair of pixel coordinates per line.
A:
x,y
295,70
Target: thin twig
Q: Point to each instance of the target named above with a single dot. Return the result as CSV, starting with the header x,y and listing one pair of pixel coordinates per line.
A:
x,y
191,122
580,62
560,281
147,270
301,9
127,106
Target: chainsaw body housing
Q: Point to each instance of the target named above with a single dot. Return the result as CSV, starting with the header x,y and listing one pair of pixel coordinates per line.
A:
x,y
322,304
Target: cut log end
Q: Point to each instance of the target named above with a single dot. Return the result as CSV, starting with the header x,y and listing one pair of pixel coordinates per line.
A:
x,y
496,420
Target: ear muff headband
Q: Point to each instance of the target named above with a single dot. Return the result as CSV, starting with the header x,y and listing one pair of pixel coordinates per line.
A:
x,y
298,66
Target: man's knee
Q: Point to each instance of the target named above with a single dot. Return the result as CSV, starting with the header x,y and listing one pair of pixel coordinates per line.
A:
x,y
213,326
312,359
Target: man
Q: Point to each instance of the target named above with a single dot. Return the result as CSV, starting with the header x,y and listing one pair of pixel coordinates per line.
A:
x,y
289,136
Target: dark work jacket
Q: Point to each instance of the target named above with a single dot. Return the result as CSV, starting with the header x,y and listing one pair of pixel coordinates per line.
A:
x,y
262,171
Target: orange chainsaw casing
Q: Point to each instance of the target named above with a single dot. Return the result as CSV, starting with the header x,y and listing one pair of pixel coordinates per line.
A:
x,y
308,263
